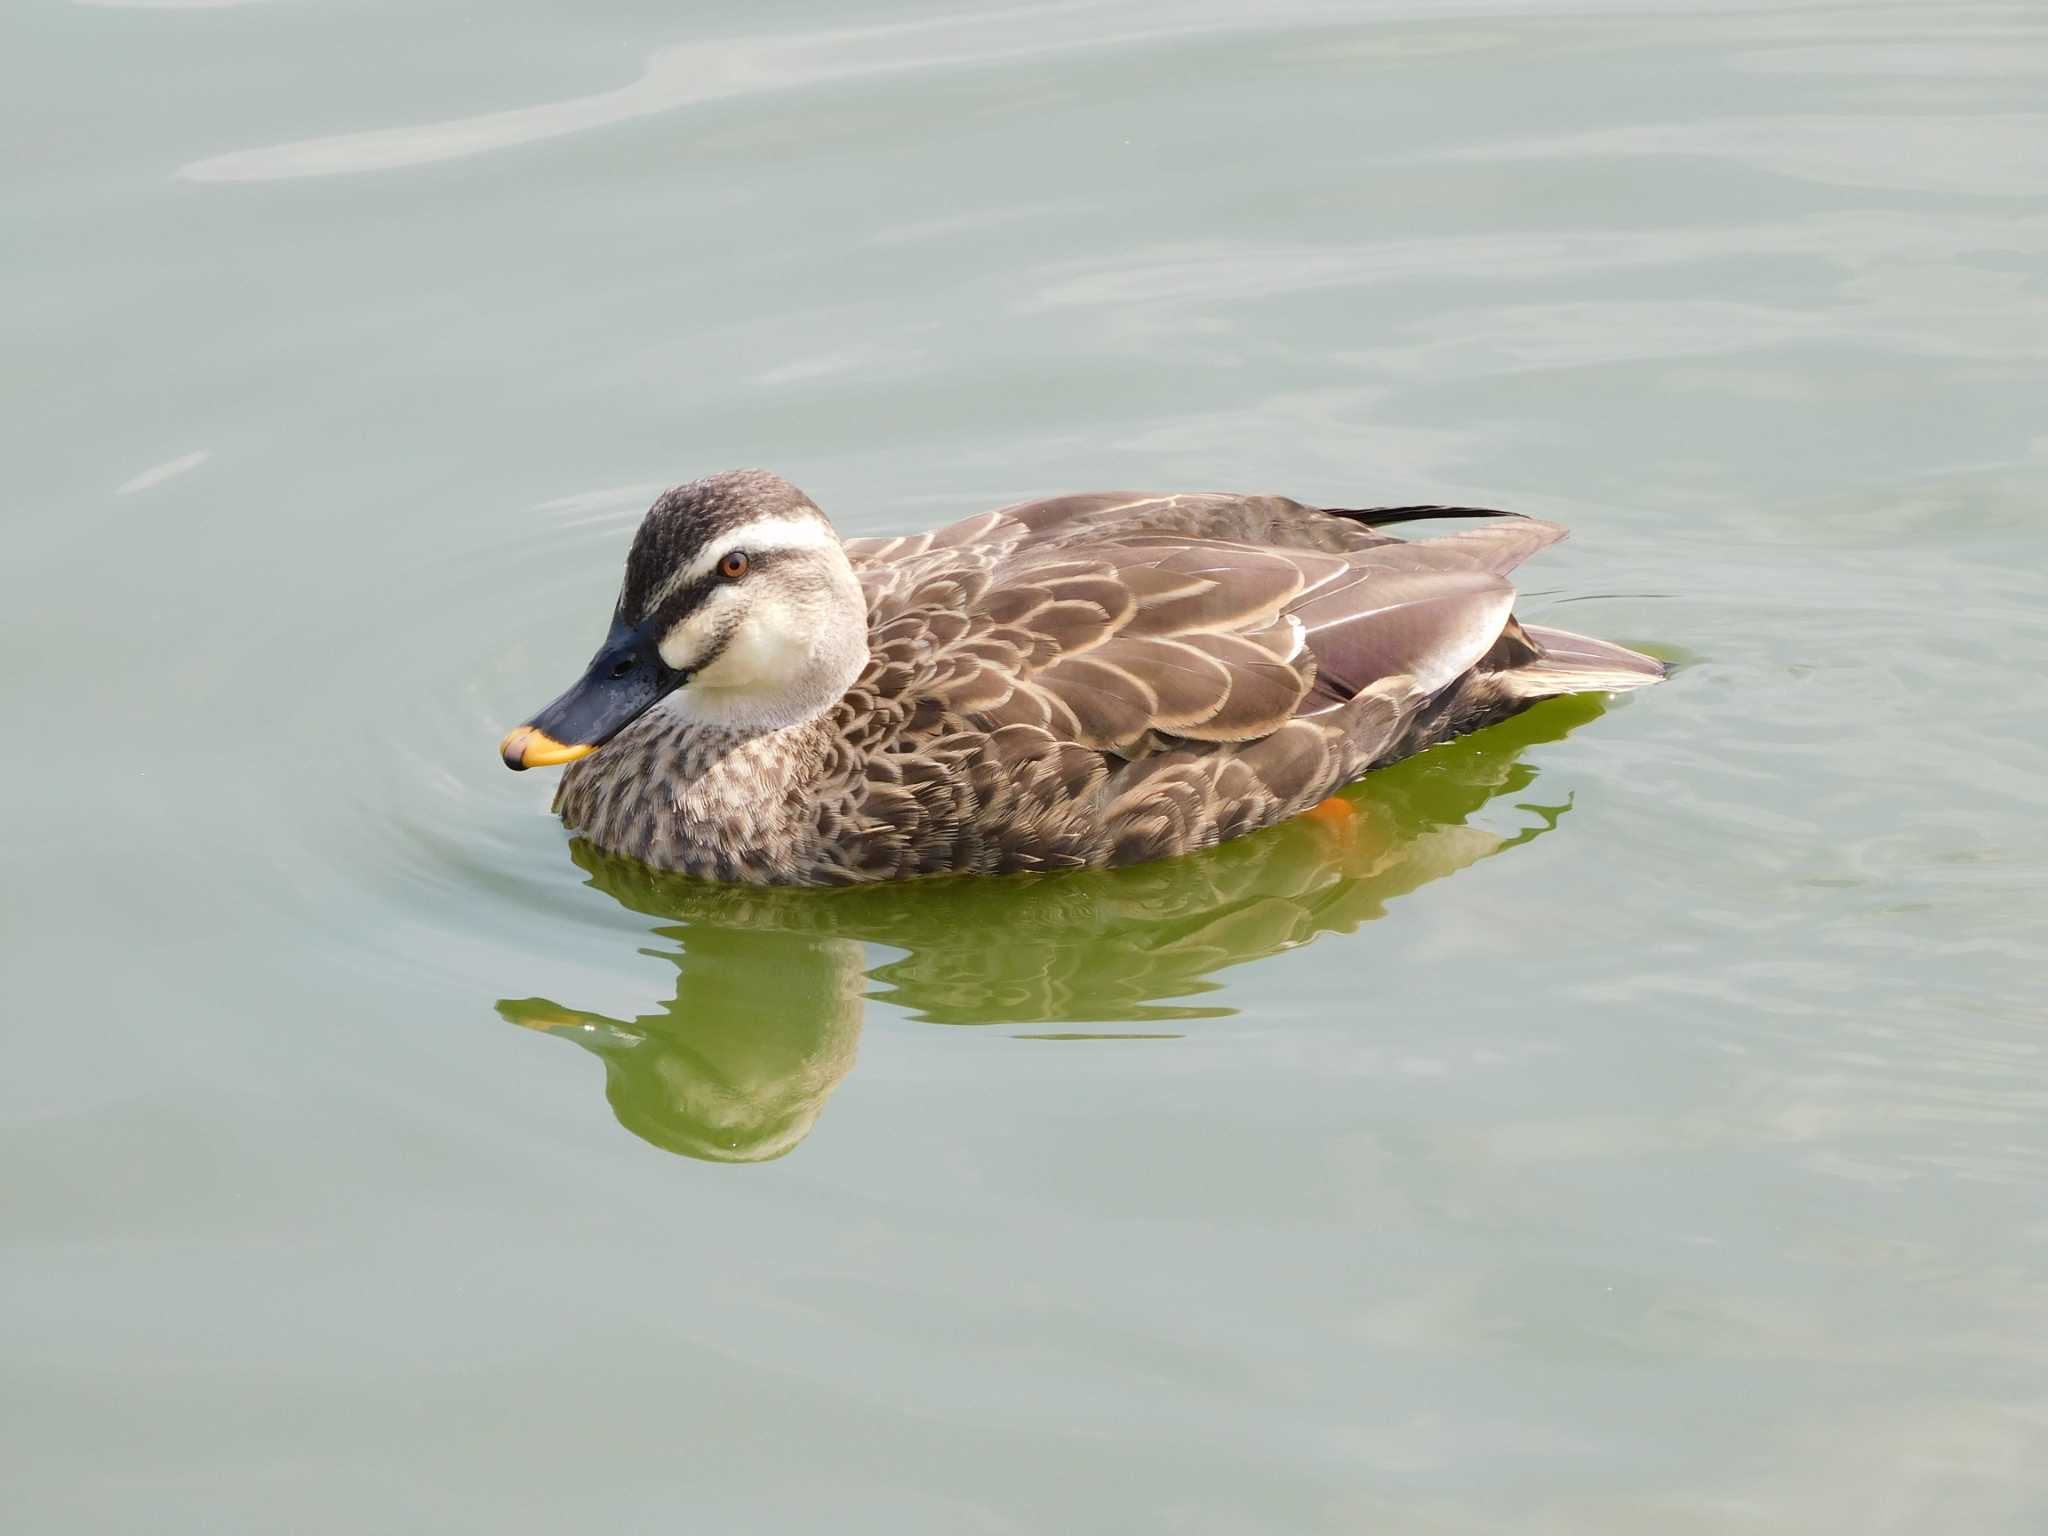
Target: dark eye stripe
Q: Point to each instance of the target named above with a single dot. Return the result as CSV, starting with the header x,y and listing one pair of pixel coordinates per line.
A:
x,y
686,599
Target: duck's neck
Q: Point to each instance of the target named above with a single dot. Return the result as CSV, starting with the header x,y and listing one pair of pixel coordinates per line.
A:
x,y
720,777
728,801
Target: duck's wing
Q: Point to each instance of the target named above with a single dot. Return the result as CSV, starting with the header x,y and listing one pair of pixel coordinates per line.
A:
x,y
1430,610
1100,647
1124,640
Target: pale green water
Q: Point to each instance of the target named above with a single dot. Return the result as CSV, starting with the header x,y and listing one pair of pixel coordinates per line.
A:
x,y
1634,1123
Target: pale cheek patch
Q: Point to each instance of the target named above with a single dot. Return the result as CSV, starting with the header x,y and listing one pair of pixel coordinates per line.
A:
x,y
769,642
691,638
767,649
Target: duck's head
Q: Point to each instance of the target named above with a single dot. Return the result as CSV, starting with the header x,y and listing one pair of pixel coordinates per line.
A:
x,y
739,609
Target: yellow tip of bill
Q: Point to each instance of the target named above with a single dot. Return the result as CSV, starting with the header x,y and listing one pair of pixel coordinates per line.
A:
x,y
526,747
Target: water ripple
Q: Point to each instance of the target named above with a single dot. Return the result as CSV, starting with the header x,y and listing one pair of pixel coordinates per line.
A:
x,y
696,73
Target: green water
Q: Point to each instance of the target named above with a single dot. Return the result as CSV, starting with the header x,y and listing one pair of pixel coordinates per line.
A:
x,y
1629,1119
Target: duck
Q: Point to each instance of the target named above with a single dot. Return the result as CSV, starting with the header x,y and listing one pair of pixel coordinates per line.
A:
x,y
1081,681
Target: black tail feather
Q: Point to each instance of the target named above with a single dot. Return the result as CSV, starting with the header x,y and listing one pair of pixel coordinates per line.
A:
x,y
1379,517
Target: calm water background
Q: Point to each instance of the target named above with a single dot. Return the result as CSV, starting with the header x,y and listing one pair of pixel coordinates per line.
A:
x,y
1651,1136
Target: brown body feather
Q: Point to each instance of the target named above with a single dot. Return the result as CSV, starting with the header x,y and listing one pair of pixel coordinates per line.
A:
x,y
1098,680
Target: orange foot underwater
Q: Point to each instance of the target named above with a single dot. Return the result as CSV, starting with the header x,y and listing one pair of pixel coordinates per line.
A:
x,y
1333,812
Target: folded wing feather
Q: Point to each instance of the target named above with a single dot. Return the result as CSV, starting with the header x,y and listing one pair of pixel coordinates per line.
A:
x,y
1115,618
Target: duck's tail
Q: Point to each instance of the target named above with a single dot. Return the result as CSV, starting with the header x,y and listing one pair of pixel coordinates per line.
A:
x,y
1380,517
1570,663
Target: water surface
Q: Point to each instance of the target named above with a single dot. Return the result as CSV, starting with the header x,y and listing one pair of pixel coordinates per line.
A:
x,y
1628,1119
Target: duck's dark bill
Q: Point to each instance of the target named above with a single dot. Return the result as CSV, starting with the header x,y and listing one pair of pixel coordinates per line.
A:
x,y
624,680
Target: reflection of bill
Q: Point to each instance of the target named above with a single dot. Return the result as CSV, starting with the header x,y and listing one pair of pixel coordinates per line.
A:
x,y
770,982
735,1069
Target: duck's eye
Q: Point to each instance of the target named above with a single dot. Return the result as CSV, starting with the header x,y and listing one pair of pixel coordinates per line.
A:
x,y
624,664
734,565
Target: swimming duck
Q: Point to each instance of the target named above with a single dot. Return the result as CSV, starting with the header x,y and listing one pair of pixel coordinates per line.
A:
x,y
1082,681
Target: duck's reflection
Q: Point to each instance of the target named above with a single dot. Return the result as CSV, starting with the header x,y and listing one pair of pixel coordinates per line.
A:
x,y
770,983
